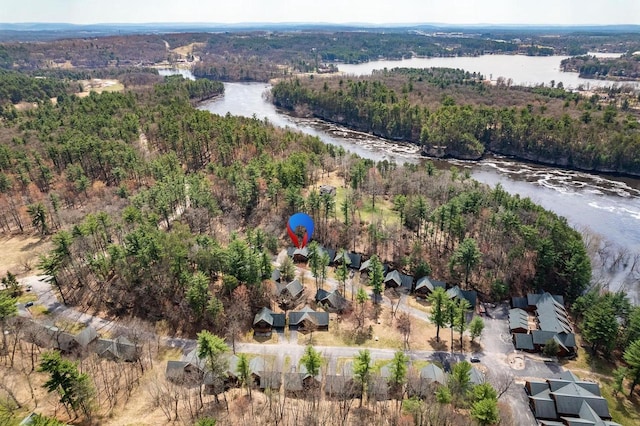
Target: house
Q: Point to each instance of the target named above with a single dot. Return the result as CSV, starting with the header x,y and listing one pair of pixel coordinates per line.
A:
x,y
300,255
341,386
356,260
523,342
425,286
270,380
119,349
518,321
566,341
292,290
266,320
378,388
426,382
308,320
342,257
568,401
184,373
392,280
86,337
365,267
332,301
406,282
470,296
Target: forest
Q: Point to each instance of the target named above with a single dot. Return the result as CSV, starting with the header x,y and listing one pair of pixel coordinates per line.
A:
x,y
454,113
626,67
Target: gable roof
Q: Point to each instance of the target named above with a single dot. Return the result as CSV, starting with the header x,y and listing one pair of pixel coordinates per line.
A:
x,y
406,281
321,319
356,260
456,292
86,336
433,373
393,279
576,402
294,288
334,299
518,319
269,317
119,348
429,284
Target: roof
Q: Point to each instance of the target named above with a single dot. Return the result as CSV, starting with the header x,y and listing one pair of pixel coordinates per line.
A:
x,y
334,299
86,336
523,341
120,348
518,319
406,281
356,260
470,295
476,376
342,256
340,385
519,302
433,373
429,284
393,279
577,402
294,288
552,316
257,365
269,317
270,380
567,341
304,252
533,298
275,275
321,319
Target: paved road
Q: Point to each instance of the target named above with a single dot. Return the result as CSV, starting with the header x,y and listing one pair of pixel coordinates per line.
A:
x,y
496,342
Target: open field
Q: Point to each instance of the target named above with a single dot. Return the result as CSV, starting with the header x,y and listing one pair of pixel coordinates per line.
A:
x,y
20,253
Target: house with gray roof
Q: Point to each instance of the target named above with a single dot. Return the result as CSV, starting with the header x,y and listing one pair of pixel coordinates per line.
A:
x,y
518,321
456,292
568,401
184,373
118,349
426,285
265,321
523,342
365,267
332,301
392,279
292,290
307,319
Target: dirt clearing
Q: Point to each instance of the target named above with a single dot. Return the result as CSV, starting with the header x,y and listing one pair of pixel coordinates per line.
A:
x,y
20,253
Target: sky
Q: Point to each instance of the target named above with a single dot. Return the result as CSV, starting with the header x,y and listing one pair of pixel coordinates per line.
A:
x,y
538,12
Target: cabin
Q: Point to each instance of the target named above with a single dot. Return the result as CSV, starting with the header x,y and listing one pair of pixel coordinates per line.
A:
x,y
425,286
470,296
332,301
292,290
518,321
308,320
265,321
392,280
184,373
119,349
426,382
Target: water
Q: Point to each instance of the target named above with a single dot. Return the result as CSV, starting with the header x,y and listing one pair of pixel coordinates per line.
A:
x,y
606,205
523,70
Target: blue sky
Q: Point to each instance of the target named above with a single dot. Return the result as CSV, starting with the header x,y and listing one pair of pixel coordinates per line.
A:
x,y
547,12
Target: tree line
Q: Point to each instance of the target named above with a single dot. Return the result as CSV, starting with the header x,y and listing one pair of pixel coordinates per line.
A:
x,y
583,134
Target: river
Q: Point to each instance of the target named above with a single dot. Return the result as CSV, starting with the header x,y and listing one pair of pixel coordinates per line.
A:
x,y
608,206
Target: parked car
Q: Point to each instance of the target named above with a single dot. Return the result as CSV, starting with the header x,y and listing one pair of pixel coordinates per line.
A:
x,y
474,359
28,304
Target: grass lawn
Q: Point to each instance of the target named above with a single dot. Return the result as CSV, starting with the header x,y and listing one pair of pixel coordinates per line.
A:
x,y
384,334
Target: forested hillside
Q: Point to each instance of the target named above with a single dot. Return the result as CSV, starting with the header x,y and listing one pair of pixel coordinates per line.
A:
x,y
163,211
453,113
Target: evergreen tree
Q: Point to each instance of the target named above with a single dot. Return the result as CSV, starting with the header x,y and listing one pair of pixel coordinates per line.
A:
x,y
74,388
376,277
244,372
476,326
438,299
312,361
362,369
632,358
468,256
